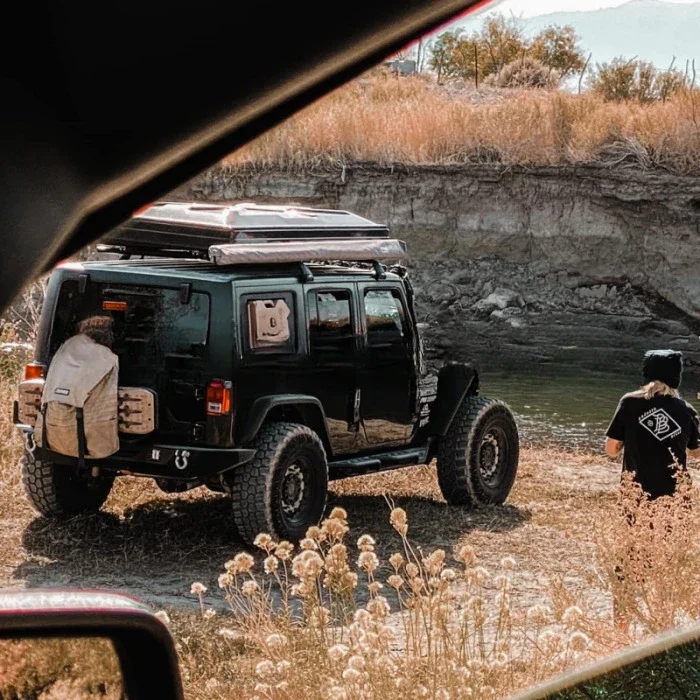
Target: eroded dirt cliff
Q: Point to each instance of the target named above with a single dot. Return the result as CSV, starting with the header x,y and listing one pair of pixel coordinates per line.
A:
x,y
577,265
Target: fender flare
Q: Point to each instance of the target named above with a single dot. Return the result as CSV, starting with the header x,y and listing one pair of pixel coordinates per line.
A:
x,y
310,408
455,382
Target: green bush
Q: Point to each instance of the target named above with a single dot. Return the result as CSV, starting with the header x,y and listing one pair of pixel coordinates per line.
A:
x,y
622,80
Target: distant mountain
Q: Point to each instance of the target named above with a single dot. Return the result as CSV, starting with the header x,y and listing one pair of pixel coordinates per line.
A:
x,y
649,29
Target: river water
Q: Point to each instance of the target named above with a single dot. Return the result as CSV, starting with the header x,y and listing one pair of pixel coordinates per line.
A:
x,y
571,409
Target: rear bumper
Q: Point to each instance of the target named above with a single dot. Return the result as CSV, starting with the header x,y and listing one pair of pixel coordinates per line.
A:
x,y
185,462
180,462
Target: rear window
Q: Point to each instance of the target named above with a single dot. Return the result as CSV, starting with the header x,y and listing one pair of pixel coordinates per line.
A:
x,y
151,324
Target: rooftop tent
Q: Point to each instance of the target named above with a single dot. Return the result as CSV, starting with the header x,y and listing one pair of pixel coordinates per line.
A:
x,y
251,233
192,227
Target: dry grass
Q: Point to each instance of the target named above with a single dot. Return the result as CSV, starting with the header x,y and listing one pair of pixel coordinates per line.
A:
x,y
462,618
409,120
433,623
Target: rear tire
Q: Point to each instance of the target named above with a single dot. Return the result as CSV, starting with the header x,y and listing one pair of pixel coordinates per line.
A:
x,y
478,458
282,491
57,490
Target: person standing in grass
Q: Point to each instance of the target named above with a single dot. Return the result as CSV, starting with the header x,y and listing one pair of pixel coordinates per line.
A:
x,y
657,430
655,427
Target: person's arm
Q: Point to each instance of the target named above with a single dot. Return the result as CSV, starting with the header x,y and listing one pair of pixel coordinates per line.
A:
x,y
614,447
615,435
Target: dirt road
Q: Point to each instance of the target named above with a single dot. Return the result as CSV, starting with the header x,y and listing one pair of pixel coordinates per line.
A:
x,y
155,545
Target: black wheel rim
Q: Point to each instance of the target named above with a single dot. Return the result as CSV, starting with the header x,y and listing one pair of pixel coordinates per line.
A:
x,y
493,456
297,491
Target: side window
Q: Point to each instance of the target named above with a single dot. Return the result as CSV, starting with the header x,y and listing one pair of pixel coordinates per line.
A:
x,y
269,321
384,314
330,322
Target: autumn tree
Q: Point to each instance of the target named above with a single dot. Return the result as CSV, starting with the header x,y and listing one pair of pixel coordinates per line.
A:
x,y
503,40
470,59
557,48
442,60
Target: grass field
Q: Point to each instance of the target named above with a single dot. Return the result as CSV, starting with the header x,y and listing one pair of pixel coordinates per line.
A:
x,y
483,602
386,119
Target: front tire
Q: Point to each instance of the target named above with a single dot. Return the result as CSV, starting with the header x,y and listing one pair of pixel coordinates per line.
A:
x,y
282,491
56,490
478,458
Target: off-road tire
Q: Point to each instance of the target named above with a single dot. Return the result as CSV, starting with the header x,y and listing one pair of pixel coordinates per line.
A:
x,y
256,487
459,459
57,490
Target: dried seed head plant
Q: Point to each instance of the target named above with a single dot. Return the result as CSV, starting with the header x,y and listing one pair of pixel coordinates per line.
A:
x,y
318,624
647,557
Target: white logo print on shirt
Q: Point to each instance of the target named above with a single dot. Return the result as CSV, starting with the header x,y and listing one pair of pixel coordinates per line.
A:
x,y
660,424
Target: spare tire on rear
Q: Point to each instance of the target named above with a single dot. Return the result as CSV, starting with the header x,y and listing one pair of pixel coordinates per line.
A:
x,y
58,490
477,459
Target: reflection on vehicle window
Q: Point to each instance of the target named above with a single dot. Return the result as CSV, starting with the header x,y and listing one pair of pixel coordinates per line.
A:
x,y
60,668
182,326
673,674
333,313
330,321
384,314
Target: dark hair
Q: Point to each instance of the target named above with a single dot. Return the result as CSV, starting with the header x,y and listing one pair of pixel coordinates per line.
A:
x,y
97,328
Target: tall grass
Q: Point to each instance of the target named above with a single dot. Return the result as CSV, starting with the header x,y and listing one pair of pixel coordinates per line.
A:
x,y
320,622
386,119
12,360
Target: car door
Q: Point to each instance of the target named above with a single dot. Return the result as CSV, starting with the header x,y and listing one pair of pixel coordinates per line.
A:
x,y
269,363
333,360
387,401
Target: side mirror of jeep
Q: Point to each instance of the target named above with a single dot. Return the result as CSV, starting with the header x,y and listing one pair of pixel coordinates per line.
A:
x,y
83,643
667,667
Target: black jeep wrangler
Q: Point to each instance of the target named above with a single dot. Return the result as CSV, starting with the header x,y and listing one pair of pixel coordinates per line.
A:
x,y
262,351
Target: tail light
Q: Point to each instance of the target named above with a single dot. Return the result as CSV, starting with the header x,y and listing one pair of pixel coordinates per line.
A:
x,y
34,370
218,397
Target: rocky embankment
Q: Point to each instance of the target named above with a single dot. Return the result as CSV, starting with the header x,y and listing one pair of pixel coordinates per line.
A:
x,y
582,265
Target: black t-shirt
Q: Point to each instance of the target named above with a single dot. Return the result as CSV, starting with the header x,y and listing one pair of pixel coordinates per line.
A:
x,y
654,431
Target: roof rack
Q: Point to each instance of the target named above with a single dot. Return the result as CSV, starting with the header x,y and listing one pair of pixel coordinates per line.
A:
x,y
245,234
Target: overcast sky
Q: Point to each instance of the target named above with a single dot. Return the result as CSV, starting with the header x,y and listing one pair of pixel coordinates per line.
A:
x,y
530,8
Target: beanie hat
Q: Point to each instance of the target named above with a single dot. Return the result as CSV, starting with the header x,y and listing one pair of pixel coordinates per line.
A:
x,y
663,366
